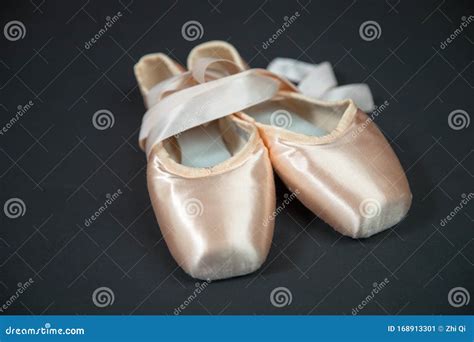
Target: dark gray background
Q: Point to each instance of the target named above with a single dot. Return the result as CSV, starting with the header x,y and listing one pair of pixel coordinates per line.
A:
x,y
62,167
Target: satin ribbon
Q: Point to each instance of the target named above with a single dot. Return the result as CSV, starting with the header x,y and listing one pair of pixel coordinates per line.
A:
x,y
214,89
318,81
218,87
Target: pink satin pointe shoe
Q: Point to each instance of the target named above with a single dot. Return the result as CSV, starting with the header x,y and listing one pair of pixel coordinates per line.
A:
x,y
211,185
331,154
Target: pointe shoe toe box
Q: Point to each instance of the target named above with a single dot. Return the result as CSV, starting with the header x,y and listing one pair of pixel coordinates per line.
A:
x,y
216,226
354,183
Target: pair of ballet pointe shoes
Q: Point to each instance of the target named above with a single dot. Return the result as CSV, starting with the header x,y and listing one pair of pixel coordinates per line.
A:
x,y
213,136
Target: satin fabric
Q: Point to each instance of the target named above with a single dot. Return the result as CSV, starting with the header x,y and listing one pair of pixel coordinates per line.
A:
x,y
202,103
319,81
350,178
215,221
218,222
185,101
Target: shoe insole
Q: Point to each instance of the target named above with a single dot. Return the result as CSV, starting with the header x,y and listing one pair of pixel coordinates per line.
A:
x,y
275,115
203,146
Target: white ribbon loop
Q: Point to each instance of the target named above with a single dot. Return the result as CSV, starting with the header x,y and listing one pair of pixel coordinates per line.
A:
x,y
292,69
319,81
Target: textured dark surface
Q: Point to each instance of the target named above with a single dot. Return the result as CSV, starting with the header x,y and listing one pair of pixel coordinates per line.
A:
x,y
62,167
